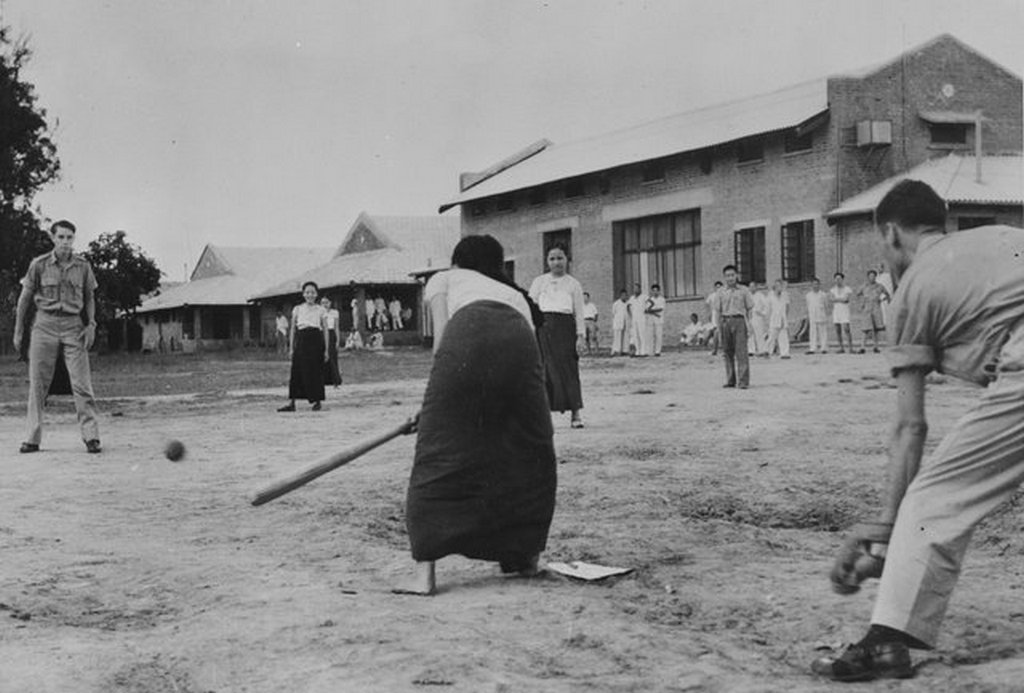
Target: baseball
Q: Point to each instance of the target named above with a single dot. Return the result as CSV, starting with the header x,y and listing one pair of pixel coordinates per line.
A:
x,y
174,450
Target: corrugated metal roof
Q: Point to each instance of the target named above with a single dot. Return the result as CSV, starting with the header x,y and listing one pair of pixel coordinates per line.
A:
x,y
953,177
683,132
413,244
249,270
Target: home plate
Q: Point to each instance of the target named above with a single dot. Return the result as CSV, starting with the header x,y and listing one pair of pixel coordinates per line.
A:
x,y
586,571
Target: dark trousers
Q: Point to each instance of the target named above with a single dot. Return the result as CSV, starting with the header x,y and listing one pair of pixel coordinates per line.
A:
x,y
734,351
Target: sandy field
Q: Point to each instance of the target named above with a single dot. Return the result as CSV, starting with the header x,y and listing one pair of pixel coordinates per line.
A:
x,y
125,572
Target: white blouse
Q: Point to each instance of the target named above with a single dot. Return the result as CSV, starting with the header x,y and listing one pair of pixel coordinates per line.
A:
x,y
560,295
305,315
462,287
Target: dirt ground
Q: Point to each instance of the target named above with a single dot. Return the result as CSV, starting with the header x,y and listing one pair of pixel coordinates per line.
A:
x,y
125,572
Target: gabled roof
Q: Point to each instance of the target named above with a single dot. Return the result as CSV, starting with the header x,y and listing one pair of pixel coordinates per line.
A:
x,y
683,132
796,106
953,177
230,275
400,246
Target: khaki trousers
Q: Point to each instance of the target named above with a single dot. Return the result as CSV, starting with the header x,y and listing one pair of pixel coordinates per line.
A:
x,y
49,333
976,468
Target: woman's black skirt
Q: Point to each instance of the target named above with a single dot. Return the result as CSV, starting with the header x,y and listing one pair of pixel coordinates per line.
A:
x,y
332,375
561,362
483,480
307,377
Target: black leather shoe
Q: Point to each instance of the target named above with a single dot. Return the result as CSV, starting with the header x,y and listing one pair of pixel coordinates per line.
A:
x,y
887,660
316,406
93,446
29,447
287,407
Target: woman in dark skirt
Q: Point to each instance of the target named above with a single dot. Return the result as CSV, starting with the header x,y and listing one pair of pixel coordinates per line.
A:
x,y
483,480
332,374
308,349
563,335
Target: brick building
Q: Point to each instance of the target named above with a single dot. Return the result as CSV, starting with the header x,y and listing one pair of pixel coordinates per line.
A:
x,y
750,182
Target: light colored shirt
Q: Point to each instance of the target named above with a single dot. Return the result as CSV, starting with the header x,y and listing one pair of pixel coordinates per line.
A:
x,y
959,302
778,309
462,287
589,311
636,306
332,318
734,302
620,314
761,306
559,295
282,324
59,287
656,309
305,315
691,332
840,303
816,306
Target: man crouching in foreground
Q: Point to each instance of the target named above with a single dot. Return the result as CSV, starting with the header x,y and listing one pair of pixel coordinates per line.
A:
x,y
959,310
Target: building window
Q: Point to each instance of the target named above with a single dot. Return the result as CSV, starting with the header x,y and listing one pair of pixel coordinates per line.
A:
x,y
798,251
964,223
798,143
949,133
505,203
538,195
750,150
653,172
663,249
574,188
748,254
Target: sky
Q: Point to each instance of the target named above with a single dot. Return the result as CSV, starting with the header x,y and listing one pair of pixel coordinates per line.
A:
x,y
259,123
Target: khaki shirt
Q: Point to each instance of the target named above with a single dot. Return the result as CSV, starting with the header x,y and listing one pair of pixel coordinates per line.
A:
x,y
59,288
733,302
959,301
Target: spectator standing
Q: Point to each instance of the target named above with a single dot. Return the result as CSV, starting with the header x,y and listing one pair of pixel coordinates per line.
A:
x,y
590,322
620,324
332,325
395,308
734,304
871,295
713,307
638,321
817,318
655,315
840,295
778,321
281,332
758,339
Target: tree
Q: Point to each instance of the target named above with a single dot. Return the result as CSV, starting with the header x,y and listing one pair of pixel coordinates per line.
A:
x,y
28,161
124,274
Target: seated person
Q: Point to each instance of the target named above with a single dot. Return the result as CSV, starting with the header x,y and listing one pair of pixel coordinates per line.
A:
x,y
692,332
354,340
707,333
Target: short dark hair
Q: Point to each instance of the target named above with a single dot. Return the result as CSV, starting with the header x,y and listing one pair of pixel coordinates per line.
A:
x,y
912,203
729,267
839,274
586,293
63,224
872,273
656,286
693,316
718,283
310,283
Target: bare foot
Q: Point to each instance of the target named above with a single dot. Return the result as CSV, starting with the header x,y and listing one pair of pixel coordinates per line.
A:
x,y
423,582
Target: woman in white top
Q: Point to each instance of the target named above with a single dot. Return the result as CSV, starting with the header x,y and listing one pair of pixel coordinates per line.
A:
x,y
308,350
332,326
563,336
483,479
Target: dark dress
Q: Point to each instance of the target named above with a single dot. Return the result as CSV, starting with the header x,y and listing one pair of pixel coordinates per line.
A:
x,y
561,362
483,480
332,374
307,376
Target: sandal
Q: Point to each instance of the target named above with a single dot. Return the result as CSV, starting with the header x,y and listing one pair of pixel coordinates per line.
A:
x,y
576,423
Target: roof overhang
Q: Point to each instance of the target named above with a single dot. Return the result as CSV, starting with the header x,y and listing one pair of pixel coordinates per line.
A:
x,y
949,117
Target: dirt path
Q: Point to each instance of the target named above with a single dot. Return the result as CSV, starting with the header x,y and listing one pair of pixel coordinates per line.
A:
x,y
126,572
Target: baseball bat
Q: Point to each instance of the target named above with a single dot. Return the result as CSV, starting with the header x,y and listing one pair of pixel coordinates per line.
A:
x,y
332,462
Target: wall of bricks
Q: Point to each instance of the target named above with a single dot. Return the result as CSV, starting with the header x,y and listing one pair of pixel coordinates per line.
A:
x,y
942,76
